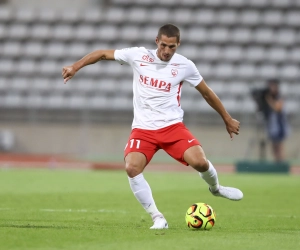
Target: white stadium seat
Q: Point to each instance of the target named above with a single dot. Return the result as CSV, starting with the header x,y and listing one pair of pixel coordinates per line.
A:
x,y
240,35
18,31
267,71
245,71
7,67
106,33
196,34
115,15
55,50
227,17
40,32
272,18
218,35
276,55
11,50
264,36
33,50
129,33
285,37
250,18
85,33
254,54
93,16
160,15
6,14
204,17
25,15
63,32
294,54
26,67
232,53
210,53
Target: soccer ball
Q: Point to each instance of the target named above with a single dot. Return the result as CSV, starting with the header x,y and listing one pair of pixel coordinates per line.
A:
x,y
200,216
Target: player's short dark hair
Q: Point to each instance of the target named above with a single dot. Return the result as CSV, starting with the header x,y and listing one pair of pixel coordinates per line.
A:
x,y
169,30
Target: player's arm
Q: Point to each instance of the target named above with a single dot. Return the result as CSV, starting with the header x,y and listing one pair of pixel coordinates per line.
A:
x,y
276,105
213,100
69,71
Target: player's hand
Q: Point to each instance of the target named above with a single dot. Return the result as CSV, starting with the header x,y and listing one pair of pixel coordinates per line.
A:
x,y
233,127
68,72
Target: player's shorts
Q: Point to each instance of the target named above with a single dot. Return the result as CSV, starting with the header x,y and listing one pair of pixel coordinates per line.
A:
x,y
174,139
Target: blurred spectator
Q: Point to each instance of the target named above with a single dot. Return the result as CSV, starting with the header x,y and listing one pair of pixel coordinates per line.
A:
x,y
276,119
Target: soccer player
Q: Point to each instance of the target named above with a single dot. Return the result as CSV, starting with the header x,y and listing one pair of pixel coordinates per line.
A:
x,y
157,124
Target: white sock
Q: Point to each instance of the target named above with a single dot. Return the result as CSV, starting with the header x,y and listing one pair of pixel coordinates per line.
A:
x,y
211,177
142,192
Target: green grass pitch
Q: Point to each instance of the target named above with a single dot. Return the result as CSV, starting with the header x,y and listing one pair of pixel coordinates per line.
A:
x,y
54,209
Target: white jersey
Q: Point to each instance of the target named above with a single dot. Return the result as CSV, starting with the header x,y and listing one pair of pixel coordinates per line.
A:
x,y
157,86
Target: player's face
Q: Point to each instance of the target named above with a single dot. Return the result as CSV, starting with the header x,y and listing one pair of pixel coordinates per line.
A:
x,y
166,47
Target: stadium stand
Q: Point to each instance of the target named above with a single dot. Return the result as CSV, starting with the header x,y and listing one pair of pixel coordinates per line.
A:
x,y
235,44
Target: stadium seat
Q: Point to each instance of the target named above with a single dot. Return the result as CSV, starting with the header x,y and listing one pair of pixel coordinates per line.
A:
x,y
227,17
19,85
33,50
254,54
210,53
292,18
250,18
26,67
285,37
49,68
6,15
204,17
7,67
107,33
258,4
205,69
41,32
276,55
55,50
93,16
196,34
289,72
191,52
267,71
129,33
137,15
149,33
12,101
47,16
232,53
263,36
72,16
182,16
240,35
294,54
85,33
11,50
63,33
77,50
160,16
224,71
25,16
114,15
218,35
272,18
245,71
18,32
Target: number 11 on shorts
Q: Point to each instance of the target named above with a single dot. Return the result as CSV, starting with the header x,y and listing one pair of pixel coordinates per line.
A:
x,y
132,143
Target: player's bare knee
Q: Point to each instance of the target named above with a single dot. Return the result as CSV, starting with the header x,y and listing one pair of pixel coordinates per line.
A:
x,y
133,169
200,164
